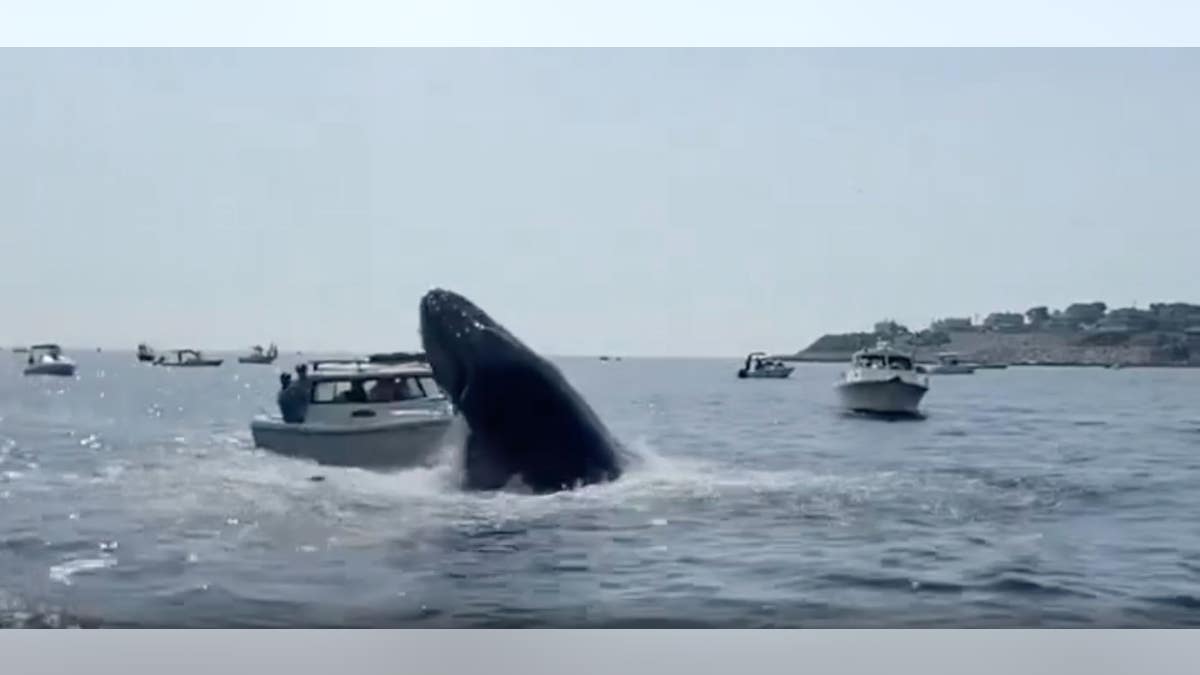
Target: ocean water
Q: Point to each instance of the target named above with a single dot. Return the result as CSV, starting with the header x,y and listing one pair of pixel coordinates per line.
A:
x,y
133,496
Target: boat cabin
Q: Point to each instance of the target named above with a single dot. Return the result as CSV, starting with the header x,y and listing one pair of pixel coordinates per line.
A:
x,y
372,388
272,351
337,391
760,361
181,356
883,360
48,351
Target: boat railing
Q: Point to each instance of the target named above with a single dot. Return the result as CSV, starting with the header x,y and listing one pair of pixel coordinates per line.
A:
x,y
326,363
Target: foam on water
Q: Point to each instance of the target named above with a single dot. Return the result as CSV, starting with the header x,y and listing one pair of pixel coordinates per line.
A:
x,y
63,572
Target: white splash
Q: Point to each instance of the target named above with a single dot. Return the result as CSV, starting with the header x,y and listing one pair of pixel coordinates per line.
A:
x,y
63,572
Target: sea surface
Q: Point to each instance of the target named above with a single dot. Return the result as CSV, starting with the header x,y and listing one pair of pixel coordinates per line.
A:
x,y
133,496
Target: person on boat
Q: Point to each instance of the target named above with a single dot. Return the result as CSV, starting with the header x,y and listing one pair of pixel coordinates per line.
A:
x,y
383,391
293,397
356,393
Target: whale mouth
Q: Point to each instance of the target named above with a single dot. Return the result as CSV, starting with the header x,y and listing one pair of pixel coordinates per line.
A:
x,y
460,340
451,327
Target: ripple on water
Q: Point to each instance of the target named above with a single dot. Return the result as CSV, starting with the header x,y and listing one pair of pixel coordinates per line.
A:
x,y
1015,502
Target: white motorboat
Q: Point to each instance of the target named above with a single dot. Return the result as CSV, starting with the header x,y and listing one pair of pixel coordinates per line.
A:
x,y
758,366
187,358
883,381
948,363
357,413
48,359
258,355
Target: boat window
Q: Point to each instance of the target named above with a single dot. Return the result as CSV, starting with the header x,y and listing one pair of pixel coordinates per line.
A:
x,y
430,387
871,361
408,389
339,391
901,363
381,390
324,392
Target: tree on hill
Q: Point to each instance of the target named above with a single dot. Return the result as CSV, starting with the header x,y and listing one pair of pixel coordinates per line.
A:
x,y
1037,315
890,328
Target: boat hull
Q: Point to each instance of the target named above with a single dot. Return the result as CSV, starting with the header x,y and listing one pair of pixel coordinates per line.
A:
x,y
58,369
947,369
886,397
207,363
772,374
385,445
262,360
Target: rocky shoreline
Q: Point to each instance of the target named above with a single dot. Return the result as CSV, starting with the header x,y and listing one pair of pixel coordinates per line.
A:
x,y
1147,350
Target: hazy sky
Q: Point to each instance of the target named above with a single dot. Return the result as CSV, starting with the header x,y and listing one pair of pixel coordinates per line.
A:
x,y
631,202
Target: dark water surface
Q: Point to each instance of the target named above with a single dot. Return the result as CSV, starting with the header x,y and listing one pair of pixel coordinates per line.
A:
x,y
132,496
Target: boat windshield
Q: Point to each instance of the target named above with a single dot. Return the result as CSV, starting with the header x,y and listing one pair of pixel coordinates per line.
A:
x,y
884,362
386,389
871,361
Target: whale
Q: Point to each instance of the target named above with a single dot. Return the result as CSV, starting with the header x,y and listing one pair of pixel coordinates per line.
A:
x,y
524,419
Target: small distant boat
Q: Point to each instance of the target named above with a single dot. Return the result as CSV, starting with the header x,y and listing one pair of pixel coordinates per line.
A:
x,y
48,359
353,412
948,364
144,353
257,355
759,367
187,358
882,381
20,350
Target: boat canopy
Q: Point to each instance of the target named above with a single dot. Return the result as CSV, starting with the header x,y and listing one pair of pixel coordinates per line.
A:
x,y
359,370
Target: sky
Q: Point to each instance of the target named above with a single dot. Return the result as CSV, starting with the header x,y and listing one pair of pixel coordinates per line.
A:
x,y
637,202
